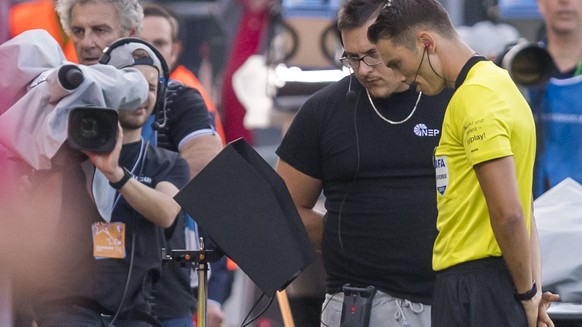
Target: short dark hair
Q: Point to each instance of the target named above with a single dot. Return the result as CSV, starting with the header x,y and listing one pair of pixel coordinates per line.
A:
x,y
399,18
156,10
356,13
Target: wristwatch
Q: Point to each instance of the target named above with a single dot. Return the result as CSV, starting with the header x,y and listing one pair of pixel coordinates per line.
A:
x,y
527,295
119,184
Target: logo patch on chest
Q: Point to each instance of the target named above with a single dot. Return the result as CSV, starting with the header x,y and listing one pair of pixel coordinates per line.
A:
x,y
422,130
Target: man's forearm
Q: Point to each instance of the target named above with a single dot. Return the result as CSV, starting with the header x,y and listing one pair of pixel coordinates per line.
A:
x,y
199,151
513,239
156,205
313,222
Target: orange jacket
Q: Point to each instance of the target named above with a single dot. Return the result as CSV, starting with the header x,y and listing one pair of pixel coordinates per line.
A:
x,y
185,76
41,14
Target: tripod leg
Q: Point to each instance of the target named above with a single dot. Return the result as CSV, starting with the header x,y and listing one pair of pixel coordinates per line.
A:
x,y
202,271
285,309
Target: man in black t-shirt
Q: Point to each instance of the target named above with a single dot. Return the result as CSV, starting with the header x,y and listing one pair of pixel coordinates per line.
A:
x,y
366,143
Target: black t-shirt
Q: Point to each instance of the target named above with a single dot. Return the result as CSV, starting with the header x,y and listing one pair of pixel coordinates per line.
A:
x,y
186,115
379,185
156,165
75,274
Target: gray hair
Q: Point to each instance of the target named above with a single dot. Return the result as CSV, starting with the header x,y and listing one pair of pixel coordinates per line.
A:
x,y
130,13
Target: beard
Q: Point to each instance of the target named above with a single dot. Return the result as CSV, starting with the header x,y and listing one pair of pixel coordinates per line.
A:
x,y
129,121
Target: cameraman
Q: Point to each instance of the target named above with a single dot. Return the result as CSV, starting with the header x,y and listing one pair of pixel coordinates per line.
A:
x,y
110,279
185,126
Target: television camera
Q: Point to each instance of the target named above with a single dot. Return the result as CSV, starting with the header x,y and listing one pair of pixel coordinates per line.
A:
x,y
47,101
528,64
89,128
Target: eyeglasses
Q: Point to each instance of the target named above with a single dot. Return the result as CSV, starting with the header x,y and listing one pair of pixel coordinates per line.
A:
x,y
371,59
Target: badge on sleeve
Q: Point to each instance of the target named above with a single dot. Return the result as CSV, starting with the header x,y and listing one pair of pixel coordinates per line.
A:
x,y
442,174
108,240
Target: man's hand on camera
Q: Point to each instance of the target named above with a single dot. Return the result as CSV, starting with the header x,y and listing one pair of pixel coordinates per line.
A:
x,y
108,163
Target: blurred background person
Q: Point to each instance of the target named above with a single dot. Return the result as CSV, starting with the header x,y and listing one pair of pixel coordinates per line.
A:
x,y
40,14
4,14
161,28
94,24
247,41
556,106
175,299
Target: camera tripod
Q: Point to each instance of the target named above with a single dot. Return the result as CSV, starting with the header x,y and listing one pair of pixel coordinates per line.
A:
x,y
202,258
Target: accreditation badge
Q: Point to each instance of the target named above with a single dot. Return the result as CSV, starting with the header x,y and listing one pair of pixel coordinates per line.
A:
x,y
108,240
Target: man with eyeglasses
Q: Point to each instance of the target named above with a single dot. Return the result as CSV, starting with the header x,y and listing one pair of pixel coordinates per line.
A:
x,y
367,144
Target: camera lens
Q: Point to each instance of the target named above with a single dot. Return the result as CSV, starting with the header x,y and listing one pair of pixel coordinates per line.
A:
x,y
531,66
89,128
528,64
92,129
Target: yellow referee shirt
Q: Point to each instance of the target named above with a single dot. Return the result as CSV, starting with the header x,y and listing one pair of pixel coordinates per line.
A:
x,y
487,118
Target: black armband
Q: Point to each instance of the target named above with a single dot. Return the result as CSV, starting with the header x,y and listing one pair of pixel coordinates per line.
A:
x,y
527,295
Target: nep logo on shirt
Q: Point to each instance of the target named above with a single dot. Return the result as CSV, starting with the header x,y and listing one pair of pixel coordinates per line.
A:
x,y
422,130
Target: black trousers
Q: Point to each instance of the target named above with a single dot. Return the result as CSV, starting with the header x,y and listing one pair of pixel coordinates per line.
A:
x,y
83,312
476,294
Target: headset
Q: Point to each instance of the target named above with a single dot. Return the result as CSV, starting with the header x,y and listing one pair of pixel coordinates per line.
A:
x,y
160,108
427,44
351,95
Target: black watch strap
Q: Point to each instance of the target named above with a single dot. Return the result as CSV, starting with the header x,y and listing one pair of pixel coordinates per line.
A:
x,y
527,295
119,184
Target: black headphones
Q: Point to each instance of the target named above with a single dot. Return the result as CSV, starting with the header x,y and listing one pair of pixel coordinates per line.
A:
x,y
160,108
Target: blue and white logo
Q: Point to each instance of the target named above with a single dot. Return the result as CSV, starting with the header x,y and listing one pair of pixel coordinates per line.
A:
x,y
422,130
